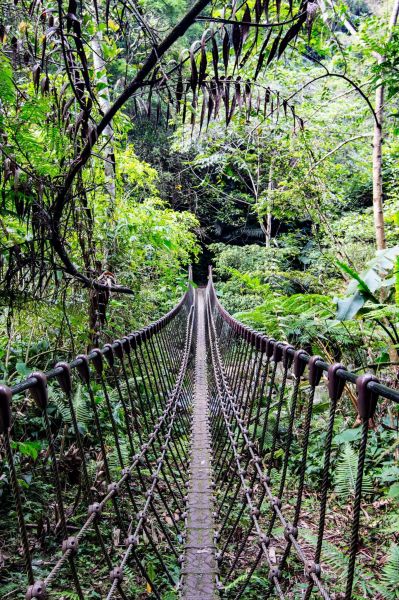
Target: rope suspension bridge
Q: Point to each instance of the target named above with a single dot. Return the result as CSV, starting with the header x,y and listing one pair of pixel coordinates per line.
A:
x,y
189,477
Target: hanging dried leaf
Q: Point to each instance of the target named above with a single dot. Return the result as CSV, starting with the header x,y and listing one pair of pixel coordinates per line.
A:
x,y
45,85
257,106
274,47
203,108
277,106
265,103
248,97
179,88
158,112
203,64
194,69
44,44
149,102
237,40
285,107
226,98
294,117
226,50
258,10
193,116
218,93
63,89
17,175
291,34
249,52
238,97
73,6
36,76
66,107
312,8
262,54
72,21
232,110
246,23
211,104
215,58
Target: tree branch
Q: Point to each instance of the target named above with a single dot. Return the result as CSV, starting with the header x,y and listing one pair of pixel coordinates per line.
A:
x,y
352,139
78,164
248,23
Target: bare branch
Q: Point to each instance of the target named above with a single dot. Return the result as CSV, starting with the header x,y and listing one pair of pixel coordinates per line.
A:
x,y
78,164
352,139
249,23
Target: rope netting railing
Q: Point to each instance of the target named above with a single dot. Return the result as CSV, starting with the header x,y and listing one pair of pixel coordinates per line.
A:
x,y
274,516
96,455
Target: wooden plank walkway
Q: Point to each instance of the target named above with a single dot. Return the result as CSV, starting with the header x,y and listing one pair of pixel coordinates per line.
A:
x,y
200,564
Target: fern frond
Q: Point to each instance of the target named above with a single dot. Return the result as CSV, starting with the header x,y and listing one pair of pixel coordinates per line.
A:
x,y
80,405
346,473
113,458
390,574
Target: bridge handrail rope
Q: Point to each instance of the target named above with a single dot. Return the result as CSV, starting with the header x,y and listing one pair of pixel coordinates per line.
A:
x,y
156,357
239,386
232,411
108,349
129,473
340,373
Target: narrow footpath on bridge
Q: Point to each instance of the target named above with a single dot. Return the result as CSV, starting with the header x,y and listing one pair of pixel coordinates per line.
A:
x,y
200,563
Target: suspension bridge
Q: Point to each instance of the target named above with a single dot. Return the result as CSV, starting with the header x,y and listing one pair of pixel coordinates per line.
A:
x,y
179,467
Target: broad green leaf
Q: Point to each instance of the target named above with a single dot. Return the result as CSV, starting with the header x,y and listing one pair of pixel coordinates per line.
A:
x,y
393,491
349,435
349,307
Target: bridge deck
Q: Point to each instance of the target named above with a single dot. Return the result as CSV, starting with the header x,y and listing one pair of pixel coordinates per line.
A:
x,y
200,564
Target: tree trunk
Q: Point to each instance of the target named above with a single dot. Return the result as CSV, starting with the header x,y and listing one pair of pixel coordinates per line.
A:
x,y
98,299
377,147
268,229
378,208
377,170
108,133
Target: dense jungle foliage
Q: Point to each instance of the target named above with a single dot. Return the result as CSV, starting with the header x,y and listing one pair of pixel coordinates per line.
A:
x,y
261,139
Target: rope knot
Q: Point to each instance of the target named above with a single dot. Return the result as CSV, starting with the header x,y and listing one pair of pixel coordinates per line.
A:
x,y
37,590
71,544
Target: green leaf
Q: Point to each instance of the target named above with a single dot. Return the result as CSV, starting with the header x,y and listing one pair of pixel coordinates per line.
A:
x,y
7,90
31,449
393,491
22,369
349,435
349,307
